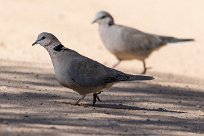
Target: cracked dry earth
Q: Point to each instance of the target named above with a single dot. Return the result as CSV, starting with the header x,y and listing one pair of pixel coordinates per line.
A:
x,y
33,103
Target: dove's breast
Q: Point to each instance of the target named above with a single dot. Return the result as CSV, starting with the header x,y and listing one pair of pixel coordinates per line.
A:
x,y
61,68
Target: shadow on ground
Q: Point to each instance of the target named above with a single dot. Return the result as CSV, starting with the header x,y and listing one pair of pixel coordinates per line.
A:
x,y
33,103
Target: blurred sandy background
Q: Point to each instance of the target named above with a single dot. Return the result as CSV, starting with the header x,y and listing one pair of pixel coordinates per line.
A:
x,y
33,103
21,21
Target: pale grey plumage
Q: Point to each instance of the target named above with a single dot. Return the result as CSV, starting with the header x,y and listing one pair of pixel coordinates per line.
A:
x,y
128,43
80,73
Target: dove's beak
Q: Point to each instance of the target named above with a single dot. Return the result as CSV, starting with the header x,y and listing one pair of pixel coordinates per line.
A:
x,y
94,21
35,43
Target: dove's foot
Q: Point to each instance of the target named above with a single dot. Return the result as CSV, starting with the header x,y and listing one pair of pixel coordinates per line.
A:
x,y
95,96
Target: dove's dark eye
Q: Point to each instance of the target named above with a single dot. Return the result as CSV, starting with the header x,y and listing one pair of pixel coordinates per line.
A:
x,y
43,38
103,17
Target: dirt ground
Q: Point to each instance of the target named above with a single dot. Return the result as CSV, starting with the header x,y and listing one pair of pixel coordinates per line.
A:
x,y
33,103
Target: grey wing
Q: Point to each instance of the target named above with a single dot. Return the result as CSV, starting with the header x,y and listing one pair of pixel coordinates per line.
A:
x,y
89,73
140,40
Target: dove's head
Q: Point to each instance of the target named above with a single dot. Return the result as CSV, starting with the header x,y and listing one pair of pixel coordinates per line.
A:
x,y
46,39
103,18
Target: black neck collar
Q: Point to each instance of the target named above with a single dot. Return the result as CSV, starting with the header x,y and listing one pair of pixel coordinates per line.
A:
x,y
59,48
110,23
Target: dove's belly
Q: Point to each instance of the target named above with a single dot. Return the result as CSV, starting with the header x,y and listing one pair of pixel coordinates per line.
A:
x,y
129,55
65,80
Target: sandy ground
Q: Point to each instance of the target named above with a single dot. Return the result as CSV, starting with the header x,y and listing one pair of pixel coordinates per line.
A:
x,y
33,103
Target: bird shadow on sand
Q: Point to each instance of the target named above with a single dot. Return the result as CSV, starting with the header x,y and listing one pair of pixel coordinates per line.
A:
x,y
127,107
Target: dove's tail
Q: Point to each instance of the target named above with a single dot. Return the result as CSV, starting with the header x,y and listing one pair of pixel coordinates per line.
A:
x,y
126,77
166,39
139,77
